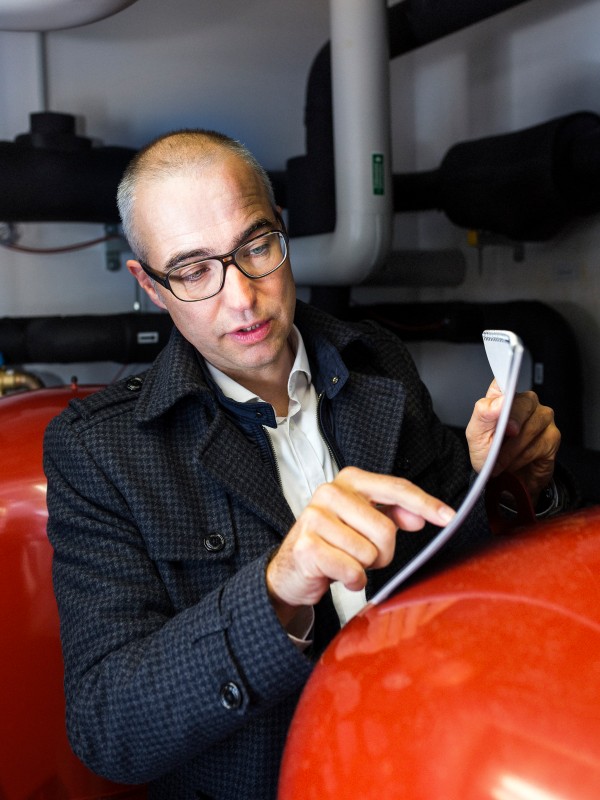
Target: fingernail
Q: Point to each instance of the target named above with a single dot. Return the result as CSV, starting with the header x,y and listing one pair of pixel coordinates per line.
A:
x,y
446,513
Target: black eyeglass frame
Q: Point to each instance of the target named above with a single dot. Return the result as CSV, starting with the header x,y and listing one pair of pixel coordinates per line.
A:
x,y
226,260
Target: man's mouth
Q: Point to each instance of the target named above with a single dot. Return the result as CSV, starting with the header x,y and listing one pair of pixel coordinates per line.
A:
x,y
251,327
252,334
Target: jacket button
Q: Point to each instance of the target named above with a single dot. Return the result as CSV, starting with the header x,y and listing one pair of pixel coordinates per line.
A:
x,y
134,384
231,696
214,542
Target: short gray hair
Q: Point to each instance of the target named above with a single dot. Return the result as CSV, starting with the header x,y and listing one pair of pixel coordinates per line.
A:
x,y
169,154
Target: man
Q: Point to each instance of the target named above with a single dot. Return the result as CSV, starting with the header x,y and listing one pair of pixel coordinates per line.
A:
x,y
201,513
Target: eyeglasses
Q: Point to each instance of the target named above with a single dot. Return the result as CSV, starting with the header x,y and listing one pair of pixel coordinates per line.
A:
x,y
203,279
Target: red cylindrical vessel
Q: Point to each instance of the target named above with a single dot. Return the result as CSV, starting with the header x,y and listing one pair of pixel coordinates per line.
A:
x,y
480,681
35,758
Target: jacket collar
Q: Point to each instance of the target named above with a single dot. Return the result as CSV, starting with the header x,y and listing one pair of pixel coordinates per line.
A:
x,y
175,375
178,371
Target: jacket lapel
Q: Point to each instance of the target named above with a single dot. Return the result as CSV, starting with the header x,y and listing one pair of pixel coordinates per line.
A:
x,y
364,399
237,464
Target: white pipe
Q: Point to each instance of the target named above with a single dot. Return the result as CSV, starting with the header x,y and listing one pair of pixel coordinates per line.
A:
x,y
48,15
43,70
361,120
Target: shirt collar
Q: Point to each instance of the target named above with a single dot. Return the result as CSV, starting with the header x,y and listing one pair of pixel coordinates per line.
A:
x,y
178,370
240,394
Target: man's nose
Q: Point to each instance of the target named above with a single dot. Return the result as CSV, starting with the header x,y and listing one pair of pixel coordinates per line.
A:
x,y
238,289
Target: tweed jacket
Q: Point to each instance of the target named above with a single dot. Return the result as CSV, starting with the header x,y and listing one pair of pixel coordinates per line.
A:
x,y
163,513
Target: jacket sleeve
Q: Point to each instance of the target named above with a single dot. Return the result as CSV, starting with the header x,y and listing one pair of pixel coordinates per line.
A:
x,y
148,687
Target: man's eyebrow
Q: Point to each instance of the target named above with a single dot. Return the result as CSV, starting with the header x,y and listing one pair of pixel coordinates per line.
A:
x,y
202,252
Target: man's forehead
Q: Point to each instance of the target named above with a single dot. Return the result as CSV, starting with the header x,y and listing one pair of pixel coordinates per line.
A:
x,y
194,214
225,181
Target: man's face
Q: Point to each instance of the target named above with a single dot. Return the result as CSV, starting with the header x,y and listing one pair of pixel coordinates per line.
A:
x,y
244,329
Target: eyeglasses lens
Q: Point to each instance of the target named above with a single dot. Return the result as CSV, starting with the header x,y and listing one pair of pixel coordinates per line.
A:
x,y
256,259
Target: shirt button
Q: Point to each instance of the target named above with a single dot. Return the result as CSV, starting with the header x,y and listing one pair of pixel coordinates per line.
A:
x,y
214,542
231,696
335,379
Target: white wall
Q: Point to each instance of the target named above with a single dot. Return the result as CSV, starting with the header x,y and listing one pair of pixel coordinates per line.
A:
x,y
242,68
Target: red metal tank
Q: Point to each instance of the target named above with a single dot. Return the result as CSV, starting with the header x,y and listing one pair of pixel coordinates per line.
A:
x,y
35,758
480,681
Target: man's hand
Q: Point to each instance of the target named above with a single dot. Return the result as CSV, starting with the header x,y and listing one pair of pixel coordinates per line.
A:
x,y
531,441
350,525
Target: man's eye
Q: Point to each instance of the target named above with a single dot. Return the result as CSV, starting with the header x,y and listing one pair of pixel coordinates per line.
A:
x,y
258,249
193,273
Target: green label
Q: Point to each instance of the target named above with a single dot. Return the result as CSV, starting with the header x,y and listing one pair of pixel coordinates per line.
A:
x,y
378,174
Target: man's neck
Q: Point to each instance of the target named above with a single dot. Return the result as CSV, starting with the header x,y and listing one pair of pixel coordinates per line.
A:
x,y
269,382
271,385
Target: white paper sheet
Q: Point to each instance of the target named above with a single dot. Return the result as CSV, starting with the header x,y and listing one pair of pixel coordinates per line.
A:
x,y
505,352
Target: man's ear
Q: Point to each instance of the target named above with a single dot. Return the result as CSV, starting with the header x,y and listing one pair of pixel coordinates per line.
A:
x,y
146,282
279,218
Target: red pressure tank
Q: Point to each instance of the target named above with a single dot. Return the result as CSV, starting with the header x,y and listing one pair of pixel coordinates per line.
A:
x,y
481,681
36,762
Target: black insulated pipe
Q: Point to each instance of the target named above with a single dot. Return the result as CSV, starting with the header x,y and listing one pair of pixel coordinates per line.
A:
x,y
123,338
52,175
558,376
429,20
525,185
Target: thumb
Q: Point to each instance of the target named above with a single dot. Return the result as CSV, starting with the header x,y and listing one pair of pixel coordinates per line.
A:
x,y
487,411
482,425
